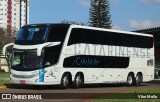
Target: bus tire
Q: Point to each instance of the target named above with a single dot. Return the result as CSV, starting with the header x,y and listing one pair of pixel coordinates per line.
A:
x,y
64,81
138,79
78,81
130,80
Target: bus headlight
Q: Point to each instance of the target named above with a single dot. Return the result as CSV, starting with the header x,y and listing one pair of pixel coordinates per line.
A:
x,y
12,74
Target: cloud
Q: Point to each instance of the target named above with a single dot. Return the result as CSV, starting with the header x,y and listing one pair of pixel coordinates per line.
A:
x,y
135,24
116,27
85,3
150,1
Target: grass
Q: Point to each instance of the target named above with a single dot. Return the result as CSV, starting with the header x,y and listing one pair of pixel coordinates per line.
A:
x,y
145,91
4,75
4,81
125,96
127,100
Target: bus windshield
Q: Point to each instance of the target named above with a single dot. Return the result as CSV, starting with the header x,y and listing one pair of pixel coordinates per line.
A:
x,y
26,60
32,34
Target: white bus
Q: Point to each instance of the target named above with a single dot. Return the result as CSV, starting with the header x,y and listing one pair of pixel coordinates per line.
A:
x,y
63,54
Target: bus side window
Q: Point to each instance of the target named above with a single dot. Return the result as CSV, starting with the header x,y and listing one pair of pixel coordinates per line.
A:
x,y
57,34
77,36
48,60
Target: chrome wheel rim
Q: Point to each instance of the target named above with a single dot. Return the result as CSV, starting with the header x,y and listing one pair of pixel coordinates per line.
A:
x,y
138,80
65,81
78,80
130,80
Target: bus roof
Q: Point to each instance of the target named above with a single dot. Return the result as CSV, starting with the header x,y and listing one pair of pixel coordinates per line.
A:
x,y
111,30
46,24
87,27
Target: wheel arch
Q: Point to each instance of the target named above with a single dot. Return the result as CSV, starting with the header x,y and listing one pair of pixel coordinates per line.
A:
x,y
131,73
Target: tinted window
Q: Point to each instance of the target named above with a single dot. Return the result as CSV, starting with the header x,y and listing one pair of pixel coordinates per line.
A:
x,y
52,54
109,38
32,35
90,61
57,33
26,60
77,36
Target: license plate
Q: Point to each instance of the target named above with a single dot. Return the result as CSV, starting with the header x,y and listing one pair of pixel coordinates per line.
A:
x,y
22,81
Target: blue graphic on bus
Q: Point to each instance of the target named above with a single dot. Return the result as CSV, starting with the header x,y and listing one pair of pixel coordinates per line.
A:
x,y
41,75
86,61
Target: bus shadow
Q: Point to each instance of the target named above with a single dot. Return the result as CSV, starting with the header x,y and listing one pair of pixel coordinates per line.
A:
x,y
56,87
155,82
108,85
31,87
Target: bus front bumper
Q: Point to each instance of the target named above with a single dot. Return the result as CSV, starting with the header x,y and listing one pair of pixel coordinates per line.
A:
x,y
31,81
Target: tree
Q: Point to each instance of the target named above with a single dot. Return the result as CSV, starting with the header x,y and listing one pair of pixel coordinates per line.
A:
x,y
7,35
73,22
99,14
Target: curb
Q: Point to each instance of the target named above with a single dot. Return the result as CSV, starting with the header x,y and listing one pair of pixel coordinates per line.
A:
x,y
2,87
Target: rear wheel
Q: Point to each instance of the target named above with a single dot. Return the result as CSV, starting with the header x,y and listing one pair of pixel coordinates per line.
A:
x,y
64,81
130,80
138,79
78,81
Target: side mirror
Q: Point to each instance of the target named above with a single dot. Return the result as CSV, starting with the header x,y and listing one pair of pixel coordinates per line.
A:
x,y
5,47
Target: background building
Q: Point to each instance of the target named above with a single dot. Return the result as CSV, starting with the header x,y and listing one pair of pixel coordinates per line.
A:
x,y
14,13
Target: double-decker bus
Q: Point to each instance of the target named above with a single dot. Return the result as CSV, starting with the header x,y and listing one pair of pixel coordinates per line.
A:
x,y
63,54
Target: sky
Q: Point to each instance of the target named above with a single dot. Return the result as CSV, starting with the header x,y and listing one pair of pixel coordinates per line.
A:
x,y
126,15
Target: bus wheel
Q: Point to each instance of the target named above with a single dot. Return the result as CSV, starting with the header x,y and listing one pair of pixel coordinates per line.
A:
x,y
130,80
64,81
138,79
78,81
